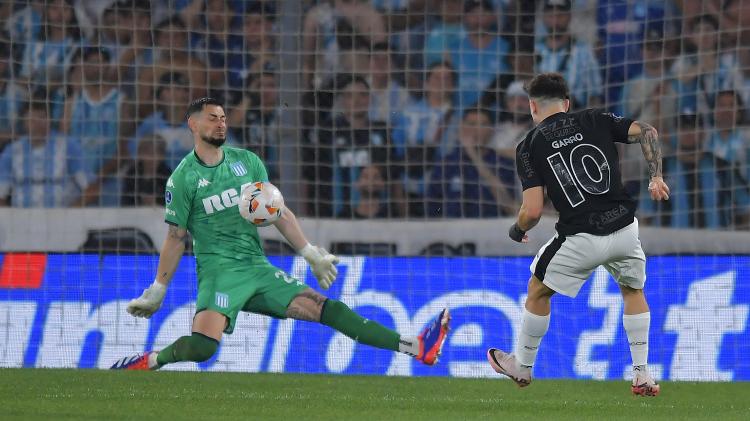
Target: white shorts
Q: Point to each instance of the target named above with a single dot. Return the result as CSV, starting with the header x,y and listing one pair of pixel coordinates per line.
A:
x,y
566,262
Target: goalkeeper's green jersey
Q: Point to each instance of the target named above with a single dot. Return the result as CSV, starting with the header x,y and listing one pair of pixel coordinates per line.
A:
x,y
203,199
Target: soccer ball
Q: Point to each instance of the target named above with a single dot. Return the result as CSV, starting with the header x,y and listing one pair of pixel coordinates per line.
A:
x,y
261,203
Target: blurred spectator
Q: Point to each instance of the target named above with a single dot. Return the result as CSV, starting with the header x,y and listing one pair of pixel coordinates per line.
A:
x,y
493,98
705,190
387,95
623,26
734,18
43,168
99,116
473,181
115,31
46,59
515,122
331,23
345,145
168,121
171,54
481,53
372,190
647,97
259,114
560,52
22,24
146,178
743,58
132,47
12,96
216,39
409,28
259,39
447,35
699,72
728,140
422,132
354,58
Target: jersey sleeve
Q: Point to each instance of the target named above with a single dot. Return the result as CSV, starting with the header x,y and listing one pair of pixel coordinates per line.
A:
x,y
618,126
529,175
177,200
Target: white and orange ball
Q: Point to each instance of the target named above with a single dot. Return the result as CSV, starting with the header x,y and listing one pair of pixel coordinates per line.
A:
x,y
261,203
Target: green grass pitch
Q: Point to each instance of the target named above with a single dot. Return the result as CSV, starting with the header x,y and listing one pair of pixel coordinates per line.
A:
x,y
29,394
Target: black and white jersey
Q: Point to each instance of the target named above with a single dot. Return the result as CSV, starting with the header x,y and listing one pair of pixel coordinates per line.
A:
x,y
573,156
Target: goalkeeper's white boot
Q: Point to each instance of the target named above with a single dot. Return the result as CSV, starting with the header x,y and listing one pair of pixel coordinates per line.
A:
x,y
643,383
141,361
507,365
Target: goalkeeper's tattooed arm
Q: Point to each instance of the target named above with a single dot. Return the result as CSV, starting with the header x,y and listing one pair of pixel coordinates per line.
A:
x,y
171,251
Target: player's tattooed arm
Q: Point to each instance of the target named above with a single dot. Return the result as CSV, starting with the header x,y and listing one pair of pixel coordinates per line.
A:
x,y
176,232
648,137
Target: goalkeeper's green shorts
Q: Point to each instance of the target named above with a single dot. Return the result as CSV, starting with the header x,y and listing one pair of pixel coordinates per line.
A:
x,y
263,289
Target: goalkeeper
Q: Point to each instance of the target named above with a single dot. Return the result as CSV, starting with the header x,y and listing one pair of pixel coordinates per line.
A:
x,y
233,272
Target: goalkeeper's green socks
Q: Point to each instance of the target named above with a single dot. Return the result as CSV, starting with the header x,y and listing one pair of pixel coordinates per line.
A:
x,y
340,317
196,347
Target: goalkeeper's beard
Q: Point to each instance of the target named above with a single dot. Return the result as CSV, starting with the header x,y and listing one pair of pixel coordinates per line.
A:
x,y
215,141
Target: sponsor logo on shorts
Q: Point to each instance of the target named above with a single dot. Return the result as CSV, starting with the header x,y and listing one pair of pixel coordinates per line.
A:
x,y
222,300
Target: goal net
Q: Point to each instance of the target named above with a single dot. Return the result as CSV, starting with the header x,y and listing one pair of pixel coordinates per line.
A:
x,y
390,126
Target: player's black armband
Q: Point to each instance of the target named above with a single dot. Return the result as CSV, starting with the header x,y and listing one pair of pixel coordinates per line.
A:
x,y
516,233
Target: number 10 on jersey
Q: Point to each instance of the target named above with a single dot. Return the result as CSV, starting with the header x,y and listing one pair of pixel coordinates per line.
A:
x,y
593,178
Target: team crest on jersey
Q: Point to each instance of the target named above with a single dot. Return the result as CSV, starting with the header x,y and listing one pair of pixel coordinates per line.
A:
x,y
222,300
238,169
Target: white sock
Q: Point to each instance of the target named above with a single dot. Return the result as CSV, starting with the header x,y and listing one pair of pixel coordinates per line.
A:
x,y
409,345
533,328
636,326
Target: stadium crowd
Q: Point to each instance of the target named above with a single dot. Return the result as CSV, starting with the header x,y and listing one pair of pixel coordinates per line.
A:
x,y
407,108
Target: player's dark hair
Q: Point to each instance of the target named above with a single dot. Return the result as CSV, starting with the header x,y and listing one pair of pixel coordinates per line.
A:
x,y
174,21
476,109
95,50
343,80
547,86
706,18
199,104
739,104
447,65
39,101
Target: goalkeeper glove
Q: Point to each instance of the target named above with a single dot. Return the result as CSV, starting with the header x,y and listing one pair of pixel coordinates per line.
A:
x,y
322,263
148,302
516,233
